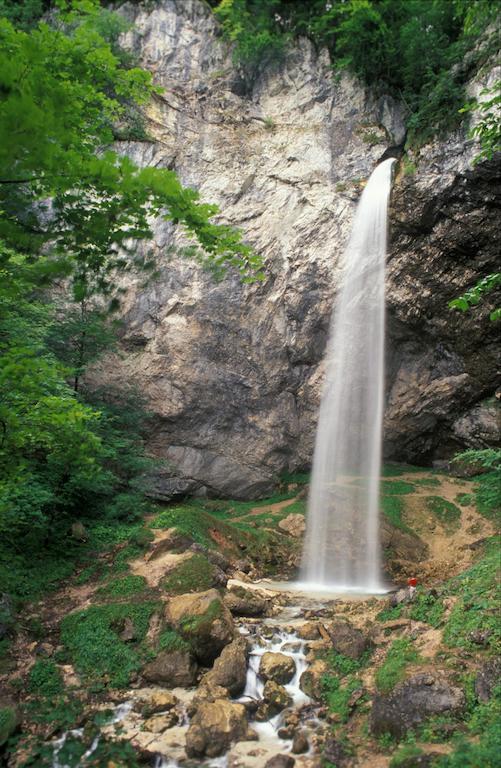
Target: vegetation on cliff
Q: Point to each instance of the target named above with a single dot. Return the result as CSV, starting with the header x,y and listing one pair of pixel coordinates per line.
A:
x,y
421,51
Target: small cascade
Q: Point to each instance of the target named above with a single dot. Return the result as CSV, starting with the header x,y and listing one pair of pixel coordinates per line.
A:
x,y
341,550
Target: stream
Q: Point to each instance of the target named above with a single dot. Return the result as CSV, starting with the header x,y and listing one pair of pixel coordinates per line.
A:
x,y
269,635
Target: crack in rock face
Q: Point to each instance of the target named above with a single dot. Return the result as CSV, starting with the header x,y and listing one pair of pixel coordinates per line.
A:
x,y
233,373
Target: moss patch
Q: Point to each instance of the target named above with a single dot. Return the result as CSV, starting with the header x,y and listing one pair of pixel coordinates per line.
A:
x,y
392,671
193,575
123,587
92,638
445,511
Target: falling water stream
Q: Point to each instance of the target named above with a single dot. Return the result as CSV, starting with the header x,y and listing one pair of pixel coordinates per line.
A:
x,y
341,549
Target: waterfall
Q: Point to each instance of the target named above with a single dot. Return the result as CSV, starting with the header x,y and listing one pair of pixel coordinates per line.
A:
x,y
342,538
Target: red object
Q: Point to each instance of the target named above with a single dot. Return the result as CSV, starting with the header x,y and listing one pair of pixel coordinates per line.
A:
x,y
412,582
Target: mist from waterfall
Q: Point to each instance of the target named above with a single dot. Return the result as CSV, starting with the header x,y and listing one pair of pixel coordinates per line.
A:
x,y
341,549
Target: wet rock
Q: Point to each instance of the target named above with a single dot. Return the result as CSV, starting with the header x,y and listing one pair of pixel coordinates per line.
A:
x,y
294,525
214,727
245,602
280,761
335,752
204,621
277,667
128,633
310,681
413,702
347,639
160,723
488,677
230,668
275,699
300,743
172,669
158,701
309,631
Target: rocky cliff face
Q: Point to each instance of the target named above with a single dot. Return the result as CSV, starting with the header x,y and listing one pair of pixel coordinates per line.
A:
x,y
233,373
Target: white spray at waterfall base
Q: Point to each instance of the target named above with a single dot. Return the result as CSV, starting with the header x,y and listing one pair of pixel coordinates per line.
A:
x,y
341,549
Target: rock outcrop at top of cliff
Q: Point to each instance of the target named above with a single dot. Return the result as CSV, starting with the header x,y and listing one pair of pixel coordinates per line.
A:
x,y
233,373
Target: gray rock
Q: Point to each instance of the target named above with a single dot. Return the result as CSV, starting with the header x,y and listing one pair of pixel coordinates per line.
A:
x,y
280,761
300,743
230,668
347,640
233,373
413,702
488,677
171,669
335,752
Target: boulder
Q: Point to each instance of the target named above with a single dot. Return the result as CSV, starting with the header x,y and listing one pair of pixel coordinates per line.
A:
x,y
280,761
335,752
275,699
300,743
160,723
294,525
214,727
309,631
413,702
277,667
488,677
158,701
347,639
245,602
230,668
310,681
204,621
172,669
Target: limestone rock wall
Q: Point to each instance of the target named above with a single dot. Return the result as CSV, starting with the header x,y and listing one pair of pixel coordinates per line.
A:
x,y
233,373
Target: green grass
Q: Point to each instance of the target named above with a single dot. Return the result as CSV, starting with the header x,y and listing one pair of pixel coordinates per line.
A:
x,y
8,723
477,609
44,678
301,478
123,587
343,665
427,482
337,695
193,575
393,509
488,496
170,640
92,639
445,511
392,671
396,487
404,755
393,470
464,499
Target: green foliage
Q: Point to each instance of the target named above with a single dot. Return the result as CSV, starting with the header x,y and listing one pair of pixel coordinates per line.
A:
x,y
488,488
392,671
193,575
405,753
124,587
76,753
422,51
488,128
337,695
396,487
8,723
45,678
464,499
393,510
92,638
169,640
344,665
475,295
445,511
476,610
426,607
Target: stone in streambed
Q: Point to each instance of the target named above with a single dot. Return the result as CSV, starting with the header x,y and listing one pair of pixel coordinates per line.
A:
x,y
309,631
160,723
275,699
172,669
158,701
277,667
214,727
300,743
204,621
245,602
281,761
230,668
310,681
